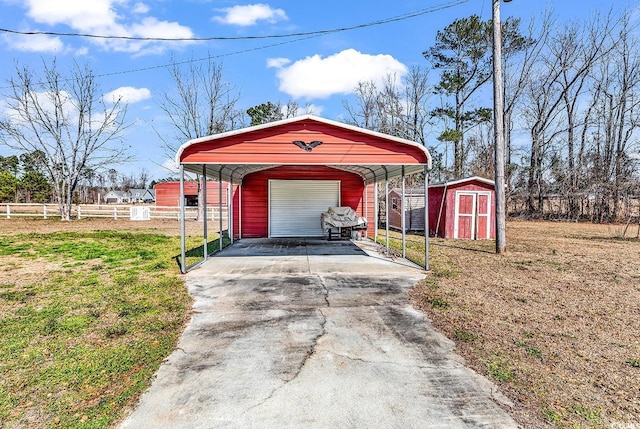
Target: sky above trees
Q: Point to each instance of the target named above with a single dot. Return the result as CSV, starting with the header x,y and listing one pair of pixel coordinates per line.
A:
x,y
366,41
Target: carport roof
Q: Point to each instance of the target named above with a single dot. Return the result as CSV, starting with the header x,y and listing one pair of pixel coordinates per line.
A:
x,y
372,155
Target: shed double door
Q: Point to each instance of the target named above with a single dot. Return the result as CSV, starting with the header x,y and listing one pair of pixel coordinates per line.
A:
x,y
295,206
472,215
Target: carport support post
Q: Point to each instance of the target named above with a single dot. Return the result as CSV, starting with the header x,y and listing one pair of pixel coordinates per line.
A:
x,y
230,210
240,210
205,220
366,206
183,247
402,221
386,210
426,218
376,211
220,204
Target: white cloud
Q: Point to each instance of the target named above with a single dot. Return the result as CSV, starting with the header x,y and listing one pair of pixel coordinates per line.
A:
x,y
127,94
140,8
319,78
108,17
278,62
151,27
250,14
34,43
79,14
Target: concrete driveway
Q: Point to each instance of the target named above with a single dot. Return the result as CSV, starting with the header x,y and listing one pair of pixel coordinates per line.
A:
x,y
302,333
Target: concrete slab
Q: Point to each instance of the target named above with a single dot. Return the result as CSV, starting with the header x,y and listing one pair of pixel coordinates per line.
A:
x,y
315,335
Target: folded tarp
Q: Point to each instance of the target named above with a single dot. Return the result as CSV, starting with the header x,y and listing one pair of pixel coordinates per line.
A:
x,y
341,217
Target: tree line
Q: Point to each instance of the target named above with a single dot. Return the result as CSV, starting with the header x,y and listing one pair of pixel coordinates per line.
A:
x,y
572,98
571,116
22,181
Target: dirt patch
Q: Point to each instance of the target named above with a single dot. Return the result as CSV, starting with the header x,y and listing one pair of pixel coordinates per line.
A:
x,y
554,321
20,271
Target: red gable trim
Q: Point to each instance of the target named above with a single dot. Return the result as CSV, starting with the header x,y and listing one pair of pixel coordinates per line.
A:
x,y
272,143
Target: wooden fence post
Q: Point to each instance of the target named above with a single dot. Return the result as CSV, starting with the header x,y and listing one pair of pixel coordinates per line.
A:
x,y
44,211
8,211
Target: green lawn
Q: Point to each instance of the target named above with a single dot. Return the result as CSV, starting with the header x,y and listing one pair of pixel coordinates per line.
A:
x,y
86,318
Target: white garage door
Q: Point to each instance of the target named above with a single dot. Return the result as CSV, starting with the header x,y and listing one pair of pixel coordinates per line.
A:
x,y
295,206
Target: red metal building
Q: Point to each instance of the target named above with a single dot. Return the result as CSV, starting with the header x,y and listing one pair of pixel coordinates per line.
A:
x,y
287,201
286,173
413,209
168,194
462,208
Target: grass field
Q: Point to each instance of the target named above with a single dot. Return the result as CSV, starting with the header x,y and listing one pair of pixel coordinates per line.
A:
x,y
555,322
86,317
89,309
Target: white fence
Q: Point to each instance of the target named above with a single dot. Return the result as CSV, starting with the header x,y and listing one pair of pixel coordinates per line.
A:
x,y
115,211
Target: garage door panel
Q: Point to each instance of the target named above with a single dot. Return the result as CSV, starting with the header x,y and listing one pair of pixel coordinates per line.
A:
x,y
295,206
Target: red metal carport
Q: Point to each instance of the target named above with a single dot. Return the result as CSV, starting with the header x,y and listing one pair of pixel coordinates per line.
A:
x,y
289,165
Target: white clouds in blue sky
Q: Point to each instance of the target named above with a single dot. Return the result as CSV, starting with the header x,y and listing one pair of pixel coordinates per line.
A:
x,y
316,77
140,8
246,15
127,94
35,43
102,17
318,72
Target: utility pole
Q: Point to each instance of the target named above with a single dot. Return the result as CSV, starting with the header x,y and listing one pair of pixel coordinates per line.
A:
x,y
498,130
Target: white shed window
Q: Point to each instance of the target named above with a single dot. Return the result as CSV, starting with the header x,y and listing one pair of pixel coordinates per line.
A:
x,y
394,203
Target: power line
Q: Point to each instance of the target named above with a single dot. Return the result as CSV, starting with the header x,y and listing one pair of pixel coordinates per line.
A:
x,y
228,54
212,38
192,60
307,35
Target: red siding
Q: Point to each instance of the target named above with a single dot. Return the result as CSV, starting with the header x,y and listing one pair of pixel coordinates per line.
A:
x,y
255,194
275,146
449,213
168,193
395,217
437,212
370,209
442,210
414,211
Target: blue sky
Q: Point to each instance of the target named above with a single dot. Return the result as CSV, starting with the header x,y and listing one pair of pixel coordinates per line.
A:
x,y
318,71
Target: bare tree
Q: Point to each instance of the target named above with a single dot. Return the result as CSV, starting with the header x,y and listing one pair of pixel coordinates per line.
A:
x,y
541,118
66,119
396,108
416,97
201,104
555,89
365,113
520,55
614,118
